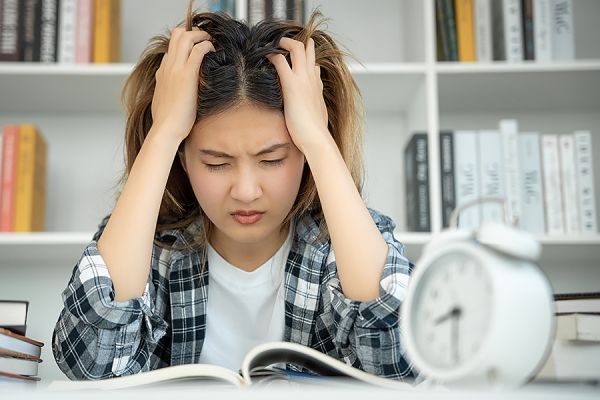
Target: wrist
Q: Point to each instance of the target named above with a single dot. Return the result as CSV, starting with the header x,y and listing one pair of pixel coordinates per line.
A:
x,y
322,148
160,136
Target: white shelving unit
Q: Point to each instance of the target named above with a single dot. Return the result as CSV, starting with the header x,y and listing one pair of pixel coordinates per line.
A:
x,y
77,108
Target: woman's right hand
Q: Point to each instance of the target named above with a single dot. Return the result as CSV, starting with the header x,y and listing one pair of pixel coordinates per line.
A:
x,y
176,93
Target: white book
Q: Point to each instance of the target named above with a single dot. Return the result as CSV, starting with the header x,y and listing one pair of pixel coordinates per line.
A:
x,y
510,148
19,366
542,28
241,10
491,175
483,30
563,38
585,182
279,9
513,30
552,185
530,181
566,144
67,20
466,177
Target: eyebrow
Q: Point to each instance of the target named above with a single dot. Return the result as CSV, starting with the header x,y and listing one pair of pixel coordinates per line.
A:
x,y
221,154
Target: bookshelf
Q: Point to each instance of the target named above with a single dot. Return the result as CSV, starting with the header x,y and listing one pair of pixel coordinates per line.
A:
x,y
405,89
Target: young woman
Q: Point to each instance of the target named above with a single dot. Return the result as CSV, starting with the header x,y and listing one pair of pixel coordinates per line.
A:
x,y
241,219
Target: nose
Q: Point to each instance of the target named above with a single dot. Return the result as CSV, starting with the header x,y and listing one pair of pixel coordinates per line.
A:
x,y
246,185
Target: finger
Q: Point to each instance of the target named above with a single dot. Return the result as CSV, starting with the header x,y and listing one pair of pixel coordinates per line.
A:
x,y
281,65
310,54
318,76
186,43
297,53
197,54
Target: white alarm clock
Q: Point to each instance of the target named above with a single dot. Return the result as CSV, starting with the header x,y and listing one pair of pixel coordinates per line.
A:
x,y
479,311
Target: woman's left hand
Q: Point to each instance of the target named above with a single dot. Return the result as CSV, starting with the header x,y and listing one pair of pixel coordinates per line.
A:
x,y
304,107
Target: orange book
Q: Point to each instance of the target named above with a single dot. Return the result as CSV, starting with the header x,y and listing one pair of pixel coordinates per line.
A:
x,y
465,30
107,31
9,156
30,195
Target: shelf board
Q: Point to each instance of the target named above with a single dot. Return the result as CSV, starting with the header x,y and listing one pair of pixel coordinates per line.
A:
x,y
18,249
45,238
511,67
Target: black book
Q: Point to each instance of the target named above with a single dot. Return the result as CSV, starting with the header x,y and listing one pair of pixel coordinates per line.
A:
x,y
32,30
417,184
11,21
447,176
528,33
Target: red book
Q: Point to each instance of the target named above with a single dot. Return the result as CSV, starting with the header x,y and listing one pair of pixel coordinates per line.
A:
x,y
84,28
10,151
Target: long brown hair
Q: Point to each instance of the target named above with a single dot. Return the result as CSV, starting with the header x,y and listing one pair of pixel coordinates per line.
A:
x,y
239,72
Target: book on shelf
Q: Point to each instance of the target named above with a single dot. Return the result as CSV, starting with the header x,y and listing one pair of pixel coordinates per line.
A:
x,y
509,129
11,42
531,185
585,182
578,326
84,29
67,29
30,191
49,31
465,30
447,176
10,149
528,33
254,371
13,315
542,29
107,31
563,36
292,10
507,30
552,185
417,183
32,31
566,144
491,174
466,177
483,29
585,302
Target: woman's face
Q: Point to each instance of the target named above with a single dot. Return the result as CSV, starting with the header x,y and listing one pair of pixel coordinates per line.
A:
x,y
245,172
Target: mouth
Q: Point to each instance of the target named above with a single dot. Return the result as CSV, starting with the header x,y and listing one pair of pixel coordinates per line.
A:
x,y
247,217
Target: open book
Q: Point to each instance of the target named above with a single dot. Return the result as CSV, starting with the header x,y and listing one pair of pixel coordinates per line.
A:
x,y
255,369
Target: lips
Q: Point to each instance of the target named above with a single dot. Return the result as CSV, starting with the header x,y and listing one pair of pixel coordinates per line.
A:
x,y
247,217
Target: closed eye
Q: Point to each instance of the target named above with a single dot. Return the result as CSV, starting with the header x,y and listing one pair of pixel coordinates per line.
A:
x,y
273,163
216,167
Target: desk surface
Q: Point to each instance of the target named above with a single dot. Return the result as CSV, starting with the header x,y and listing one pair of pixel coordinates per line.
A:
x,y
284,391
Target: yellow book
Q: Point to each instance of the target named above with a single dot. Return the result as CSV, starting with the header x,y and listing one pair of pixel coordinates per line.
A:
x,y
30,196
465,30
107,31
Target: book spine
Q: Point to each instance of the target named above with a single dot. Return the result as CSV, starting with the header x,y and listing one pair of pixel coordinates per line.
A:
x,y
241,10
10,148
563,38
107,31
256,11
279,9
30,188
66,32
299,9
451,29
552,185
483,30
442,31
84,29
417,184
528,33
49,31
513,30
542,26
510,149
498,40
491,174
465,30
10,30
569,184
585,182
531,185
466,177
447,176
32,20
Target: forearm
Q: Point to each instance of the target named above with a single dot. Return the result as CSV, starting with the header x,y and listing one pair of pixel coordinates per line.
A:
x,y
126,243
360,250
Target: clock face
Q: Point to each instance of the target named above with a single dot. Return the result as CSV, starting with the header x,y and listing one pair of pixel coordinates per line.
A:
x,y
452,310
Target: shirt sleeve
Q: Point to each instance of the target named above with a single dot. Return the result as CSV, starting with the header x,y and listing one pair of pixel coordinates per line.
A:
x,y
371,330
97,337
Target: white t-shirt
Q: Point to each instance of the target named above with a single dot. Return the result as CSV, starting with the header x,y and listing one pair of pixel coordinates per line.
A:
x,y
244,309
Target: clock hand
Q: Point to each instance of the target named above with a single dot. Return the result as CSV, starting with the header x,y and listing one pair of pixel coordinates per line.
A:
x,y
455,313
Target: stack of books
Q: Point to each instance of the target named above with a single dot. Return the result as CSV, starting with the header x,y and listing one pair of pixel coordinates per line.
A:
x,y
23,159
19,354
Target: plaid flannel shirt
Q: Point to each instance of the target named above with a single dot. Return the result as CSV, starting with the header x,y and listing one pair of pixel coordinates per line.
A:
x,y
97,337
